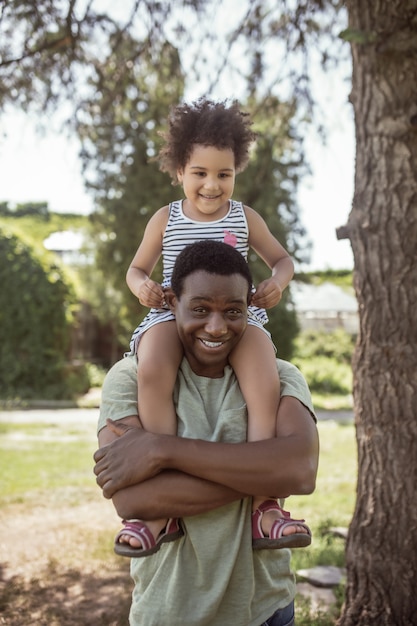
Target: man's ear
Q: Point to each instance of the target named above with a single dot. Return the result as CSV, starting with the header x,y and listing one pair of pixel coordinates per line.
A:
x,y
170,298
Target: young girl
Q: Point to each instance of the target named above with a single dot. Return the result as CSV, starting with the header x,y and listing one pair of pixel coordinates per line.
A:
x,y
207,144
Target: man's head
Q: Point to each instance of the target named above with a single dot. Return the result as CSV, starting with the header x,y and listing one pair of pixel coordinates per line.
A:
x,y
213,257
211,286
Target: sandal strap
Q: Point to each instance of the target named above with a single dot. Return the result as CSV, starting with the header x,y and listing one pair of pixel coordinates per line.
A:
x,y
138,530
280,525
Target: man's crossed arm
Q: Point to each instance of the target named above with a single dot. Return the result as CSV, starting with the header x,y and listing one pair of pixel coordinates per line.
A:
x,y
152,476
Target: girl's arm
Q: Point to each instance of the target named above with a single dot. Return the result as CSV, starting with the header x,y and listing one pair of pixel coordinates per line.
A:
x,y
148,292
263,242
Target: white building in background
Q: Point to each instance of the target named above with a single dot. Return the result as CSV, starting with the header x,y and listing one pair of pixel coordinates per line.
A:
x,y
325,307
69,246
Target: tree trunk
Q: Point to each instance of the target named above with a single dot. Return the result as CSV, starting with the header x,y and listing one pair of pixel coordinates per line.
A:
x,y
382,543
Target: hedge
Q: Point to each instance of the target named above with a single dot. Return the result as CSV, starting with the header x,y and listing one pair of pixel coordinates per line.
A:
x,y
34,322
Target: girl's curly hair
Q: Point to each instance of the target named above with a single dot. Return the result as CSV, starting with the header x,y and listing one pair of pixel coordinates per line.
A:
x,y
207,123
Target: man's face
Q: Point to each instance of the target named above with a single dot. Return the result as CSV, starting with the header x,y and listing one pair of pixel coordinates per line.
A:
x,y
211,317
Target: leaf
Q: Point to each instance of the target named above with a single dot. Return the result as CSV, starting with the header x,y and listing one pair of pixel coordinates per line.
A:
x,y
360,37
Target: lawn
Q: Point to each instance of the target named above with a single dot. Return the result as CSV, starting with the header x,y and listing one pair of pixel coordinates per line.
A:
x,y
56,560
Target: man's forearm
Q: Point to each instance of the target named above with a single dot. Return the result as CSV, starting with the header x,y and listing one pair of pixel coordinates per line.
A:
x,y
171,494
283,466
276,466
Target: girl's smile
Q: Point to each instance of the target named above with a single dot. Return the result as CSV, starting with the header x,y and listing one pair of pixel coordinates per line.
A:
x,y
208,180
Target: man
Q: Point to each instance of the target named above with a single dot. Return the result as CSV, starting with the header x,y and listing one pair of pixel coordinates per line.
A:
x,y
207,475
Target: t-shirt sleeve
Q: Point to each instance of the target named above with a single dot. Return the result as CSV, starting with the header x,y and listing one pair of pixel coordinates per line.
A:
x,y
294,384
119,392
119,395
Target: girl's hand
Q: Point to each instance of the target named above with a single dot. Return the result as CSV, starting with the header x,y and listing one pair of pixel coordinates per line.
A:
x,y
151,295
267,294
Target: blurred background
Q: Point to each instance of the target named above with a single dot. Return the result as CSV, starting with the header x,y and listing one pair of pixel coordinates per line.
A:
x,y
86,89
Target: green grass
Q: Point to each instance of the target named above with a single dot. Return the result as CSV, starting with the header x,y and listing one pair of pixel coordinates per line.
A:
x,y
50,456
331,505
333,501
39,458
332,402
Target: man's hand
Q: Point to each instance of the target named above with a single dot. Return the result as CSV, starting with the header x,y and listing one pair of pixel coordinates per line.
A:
x,y
126,461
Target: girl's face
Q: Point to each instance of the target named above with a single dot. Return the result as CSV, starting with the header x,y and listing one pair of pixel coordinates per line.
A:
x,y
208,180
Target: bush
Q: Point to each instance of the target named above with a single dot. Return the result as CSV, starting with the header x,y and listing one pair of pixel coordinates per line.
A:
x,y
338,345
325,360
34,322
96,374
326,375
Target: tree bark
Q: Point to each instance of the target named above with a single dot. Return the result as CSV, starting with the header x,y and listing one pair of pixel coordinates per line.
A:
x,y
381,555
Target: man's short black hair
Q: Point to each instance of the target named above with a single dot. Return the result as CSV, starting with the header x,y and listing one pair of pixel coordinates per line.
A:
x,y
214,257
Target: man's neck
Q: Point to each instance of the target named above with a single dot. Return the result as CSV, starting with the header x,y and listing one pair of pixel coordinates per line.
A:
x,y
205,371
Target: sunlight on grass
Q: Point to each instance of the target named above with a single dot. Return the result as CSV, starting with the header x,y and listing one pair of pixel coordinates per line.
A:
x,y
33,459
334,496
331,505
332,402
333,501
57,459
38,457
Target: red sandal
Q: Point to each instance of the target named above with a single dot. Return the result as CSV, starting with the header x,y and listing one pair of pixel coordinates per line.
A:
x,y
276,539
141,532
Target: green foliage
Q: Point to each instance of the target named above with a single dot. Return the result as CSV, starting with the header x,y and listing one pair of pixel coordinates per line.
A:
x,y
96,374
38,209
306,615
89,282
35,226
341,278
34,322
325,361
326,375
269,186
283,326
359,37
65,52
122,136
337,345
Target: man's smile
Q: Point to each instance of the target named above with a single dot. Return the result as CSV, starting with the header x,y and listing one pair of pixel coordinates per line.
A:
x,y
212,344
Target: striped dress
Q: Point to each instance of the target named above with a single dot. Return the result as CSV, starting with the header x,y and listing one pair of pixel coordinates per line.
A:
x,y
182,231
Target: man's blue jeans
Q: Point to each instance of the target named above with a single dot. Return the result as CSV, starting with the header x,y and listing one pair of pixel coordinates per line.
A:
x,y
282,617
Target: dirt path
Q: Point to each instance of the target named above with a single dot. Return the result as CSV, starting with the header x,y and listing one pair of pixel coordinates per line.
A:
x,y
57,566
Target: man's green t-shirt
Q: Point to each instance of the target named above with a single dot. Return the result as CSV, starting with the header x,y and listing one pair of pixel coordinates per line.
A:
x,y
211,576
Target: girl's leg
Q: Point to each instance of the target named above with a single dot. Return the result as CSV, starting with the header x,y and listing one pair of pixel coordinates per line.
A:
x,y
159,357
255,366
254,363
